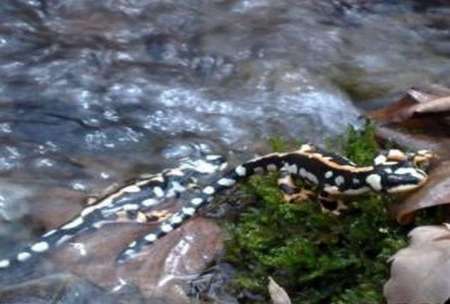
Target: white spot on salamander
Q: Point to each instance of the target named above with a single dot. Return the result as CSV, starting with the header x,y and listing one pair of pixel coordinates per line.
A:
x,y
380,159
339,180
151,237
209,190
177,187
4,263
130,207
197,201
40,247
226,182
132,189
174,172
63,239
176,219
241,171
158,192
213,157
329,174
293,169
129,253
188,211
333,190
272,167
23,256
223,166
49,233
374,181
309,176
166,228
149,202
73,224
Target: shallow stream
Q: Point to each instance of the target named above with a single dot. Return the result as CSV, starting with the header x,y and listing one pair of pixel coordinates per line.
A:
x,y
95,92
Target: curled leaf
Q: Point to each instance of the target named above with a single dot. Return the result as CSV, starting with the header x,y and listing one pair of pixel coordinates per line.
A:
x,y
434,106
435,192
420,273
415,103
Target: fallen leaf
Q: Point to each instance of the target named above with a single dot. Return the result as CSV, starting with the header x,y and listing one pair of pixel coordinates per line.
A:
x,y
435,192
277,293
414,104
410,141
434,106
420,272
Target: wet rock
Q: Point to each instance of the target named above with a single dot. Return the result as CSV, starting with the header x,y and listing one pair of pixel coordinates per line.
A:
x,y
210,285
64,288
162,271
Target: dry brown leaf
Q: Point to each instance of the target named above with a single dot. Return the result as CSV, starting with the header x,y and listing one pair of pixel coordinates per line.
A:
x,y
434,106
435,192
414,104
420,273
396,112
439,145
277,293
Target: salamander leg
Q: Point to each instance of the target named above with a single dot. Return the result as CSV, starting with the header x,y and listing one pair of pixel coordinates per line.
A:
x,y
141,217
330,204
292,193
421,158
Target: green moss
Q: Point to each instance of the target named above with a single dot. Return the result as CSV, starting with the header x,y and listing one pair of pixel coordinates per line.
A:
x,y
317,257
278,144
361,146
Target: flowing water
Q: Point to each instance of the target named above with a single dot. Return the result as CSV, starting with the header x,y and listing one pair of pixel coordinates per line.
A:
x,y
95,92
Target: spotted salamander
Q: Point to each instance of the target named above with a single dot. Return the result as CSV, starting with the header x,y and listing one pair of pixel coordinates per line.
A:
x,y
331,176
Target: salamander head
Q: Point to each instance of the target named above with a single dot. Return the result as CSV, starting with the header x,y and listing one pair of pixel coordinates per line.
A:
x,y
396,177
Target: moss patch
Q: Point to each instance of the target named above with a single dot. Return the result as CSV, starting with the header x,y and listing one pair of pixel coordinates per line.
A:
x,y
316,257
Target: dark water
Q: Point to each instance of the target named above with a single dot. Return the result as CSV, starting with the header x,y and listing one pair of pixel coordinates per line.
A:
x,y
94,92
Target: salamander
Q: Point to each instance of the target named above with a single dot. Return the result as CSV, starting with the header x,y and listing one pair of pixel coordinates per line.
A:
x,y
130,203
331,176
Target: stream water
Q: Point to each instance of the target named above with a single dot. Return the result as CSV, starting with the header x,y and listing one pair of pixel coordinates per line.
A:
x,y
95,92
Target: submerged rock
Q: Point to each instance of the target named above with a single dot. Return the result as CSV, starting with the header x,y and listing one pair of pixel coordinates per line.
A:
x,y
63,288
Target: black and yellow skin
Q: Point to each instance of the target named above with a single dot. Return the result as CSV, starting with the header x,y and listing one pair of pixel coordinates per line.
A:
x,y
330,176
